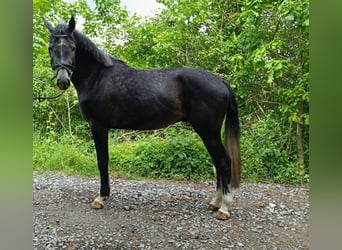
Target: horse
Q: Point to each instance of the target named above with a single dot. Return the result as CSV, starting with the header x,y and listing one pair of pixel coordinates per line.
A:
x,y
113,95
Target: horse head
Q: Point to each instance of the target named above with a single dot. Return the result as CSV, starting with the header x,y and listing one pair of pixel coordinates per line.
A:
x,y
62,50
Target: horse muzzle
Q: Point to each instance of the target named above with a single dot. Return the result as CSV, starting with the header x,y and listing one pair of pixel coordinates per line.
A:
x,y
63,78
63,84
63,75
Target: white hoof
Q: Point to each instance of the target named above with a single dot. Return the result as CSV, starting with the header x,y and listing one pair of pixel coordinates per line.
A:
x,y
99,201
220,204
222,215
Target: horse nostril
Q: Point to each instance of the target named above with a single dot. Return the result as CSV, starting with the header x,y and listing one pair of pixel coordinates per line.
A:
x,y
63,84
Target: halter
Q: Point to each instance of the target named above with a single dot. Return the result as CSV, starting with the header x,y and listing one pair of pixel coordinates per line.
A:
x,y
69,68
57,67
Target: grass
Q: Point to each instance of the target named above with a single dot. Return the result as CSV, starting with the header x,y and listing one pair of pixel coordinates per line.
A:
x,y
64,154
175,153
152,155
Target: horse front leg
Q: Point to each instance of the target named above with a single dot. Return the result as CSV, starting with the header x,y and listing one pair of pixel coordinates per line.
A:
x,y
100,136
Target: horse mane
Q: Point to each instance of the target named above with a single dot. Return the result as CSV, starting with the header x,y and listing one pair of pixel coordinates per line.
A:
x,y
84,43
88,46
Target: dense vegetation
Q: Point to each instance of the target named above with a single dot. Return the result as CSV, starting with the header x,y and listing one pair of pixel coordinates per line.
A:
x,y
261,47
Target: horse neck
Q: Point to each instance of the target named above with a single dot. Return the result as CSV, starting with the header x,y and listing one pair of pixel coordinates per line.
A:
x,y
86,69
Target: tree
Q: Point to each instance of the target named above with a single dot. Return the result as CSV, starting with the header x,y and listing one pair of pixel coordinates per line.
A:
x,y
275,34
260,46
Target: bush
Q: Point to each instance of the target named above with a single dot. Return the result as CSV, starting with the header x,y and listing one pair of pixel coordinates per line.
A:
x,y
267,154
64,153
174,153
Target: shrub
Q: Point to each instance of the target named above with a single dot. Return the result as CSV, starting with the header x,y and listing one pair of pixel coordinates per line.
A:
x,y
169,154
175,153
267,154
64,153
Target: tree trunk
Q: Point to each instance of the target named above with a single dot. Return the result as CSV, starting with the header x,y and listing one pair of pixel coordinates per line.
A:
x,y
300,149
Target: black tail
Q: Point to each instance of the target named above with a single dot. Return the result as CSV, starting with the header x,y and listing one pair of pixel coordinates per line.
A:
x,y
232,139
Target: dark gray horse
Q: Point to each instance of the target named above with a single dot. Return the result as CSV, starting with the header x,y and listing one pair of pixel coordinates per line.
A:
x,y
114,95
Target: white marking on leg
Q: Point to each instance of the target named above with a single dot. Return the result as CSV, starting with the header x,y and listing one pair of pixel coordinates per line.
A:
x,y
98,202
226,200
216,201
101,199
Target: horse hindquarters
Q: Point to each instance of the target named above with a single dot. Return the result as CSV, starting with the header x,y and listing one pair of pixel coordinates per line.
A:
x,y
206,102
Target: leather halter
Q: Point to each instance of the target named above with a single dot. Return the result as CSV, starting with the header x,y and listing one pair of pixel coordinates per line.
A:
x,y
57,67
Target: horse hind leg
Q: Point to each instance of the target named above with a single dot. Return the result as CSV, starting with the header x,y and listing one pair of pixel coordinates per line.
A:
x,y
220,201
212,140
223,197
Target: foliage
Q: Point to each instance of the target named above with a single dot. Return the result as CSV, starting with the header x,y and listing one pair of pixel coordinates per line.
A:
x,y
268,152
261,47
160,154
164,156
63,153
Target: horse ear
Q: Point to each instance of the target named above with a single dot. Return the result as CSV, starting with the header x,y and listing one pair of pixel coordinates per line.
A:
x,y
48,25
72,24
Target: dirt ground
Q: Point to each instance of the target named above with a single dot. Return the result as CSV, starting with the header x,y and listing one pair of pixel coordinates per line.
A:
x,y
149,214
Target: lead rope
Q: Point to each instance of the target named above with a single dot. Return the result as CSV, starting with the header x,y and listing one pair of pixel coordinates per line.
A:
x,y
40,98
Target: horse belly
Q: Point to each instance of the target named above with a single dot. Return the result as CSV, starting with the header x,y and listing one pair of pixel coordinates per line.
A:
x,y
147,120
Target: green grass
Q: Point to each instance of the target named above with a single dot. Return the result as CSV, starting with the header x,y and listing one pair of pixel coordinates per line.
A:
x,y
148,155
175,153
65,154
163,156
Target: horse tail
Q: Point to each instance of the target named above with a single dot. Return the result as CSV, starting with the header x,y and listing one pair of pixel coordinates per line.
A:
x,y
232,139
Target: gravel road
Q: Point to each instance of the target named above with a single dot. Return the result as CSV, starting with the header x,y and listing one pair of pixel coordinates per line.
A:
x,y
149,214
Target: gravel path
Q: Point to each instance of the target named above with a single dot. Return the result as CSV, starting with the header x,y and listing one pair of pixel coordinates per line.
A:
x,y
165,215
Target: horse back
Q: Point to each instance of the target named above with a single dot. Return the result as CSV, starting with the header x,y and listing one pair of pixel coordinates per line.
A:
x,y
149,99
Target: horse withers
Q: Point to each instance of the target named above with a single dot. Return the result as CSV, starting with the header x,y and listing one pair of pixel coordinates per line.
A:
x,y
113,95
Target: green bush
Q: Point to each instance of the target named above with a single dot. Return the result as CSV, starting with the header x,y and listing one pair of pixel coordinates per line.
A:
x,y
64,153
267,154
175,153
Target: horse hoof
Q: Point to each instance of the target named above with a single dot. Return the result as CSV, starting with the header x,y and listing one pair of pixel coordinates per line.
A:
x,y
98,203
213,208
221,215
